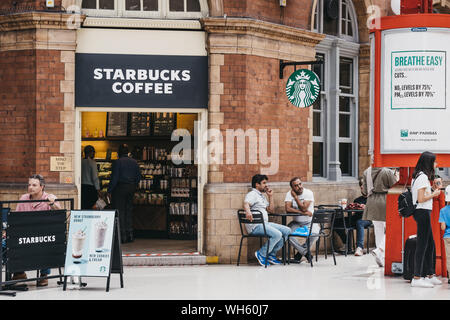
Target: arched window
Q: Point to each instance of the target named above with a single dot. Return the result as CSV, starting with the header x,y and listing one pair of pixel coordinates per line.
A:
x,y
158,9
336,18
335,116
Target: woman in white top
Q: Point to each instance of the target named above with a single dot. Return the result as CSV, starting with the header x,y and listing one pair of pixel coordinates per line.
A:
x,y
422,194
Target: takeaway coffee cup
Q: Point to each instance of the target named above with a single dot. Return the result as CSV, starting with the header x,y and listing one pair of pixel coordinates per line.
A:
x,y
78,239
343,203
100,232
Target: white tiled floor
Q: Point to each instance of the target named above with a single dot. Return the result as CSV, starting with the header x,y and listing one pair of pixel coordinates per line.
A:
x,y
353,278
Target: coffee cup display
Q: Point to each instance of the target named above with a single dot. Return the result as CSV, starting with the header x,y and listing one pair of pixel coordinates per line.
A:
x,y
343,203
100,232
78,239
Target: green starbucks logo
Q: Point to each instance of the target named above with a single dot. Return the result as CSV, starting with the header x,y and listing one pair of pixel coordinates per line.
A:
x,y
303,88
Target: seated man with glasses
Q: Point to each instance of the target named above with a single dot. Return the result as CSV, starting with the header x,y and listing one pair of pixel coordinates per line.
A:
x,y
301,200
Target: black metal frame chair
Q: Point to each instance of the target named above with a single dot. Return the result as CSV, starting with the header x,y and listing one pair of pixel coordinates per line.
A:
x,y
322,217
347,229
257,219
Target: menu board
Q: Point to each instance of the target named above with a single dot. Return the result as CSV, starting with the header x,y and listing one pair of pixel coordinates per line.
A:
x,y
117,124
164,123
89,243
140,124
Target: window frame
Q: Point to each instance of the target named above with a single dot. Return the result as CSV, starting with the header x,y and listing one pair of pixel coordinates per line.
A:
x,y
317,21
162,13
353,122
100,12
323,115
333,48
140,13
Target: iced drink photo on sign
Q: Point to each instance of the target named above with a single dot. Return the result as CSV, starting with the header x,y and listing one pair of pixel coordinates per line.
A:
x,y
78,239
100,232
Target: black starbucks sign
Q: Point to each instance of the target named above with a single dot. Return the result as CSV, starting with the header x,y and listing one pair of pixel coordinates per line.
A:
x,y
145,81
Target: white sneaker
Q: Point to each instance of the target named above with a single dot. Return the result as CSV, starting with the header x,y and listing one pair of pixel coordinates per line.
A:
x,y
378,259
421,283
359,252
433,280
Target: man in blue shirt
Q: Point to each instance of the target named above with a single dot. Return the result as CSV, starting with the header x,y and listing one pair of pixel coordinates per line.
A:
x,y
124,179
444,219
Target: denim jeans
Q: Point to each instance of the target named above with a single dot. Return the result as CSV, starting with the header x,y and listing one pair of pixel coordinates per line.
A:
x,y
277,236
45,272
360,225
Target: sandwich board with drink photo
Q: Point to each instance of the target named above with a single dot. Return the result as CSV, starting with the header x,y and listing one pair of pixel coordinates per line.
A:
x,y
91,245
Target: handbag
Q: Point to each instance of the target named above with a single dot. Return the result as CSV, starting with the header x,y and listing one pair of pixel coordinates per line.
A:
x,y
100,204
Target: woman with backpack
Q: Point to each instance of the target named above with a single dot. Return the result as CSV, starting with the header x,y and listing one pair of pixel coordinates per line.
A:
x,y
422,194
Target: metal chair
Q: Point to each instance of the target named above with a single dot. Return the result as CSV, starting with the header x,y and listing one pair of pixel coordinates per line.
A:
x,y
325,218
348,230
257,219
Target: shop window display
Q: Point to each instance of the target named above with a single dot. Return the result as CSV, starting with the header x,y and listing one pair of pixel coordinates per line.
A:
x,y
165,202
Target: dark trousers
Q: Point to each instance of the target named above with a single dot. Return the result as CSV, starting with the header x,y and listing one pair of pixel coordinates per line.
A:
x,y
89,196
425,257
122,200
350,222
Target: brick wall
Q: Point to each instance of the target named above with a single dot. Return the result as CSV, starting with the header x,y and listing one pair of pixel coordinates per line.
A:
x,y
36,95
296,14
253,98
8,4
30,107
49,103
17,114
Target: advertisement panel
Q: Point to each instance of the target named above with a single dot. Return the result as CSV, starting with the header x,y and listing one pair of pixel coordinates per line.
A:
x,y
89,243
414,85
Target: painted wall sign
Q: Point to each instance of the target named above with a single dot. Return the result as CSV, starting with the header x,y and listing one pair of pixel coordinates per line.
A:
x,y
303,88
121,80
414,86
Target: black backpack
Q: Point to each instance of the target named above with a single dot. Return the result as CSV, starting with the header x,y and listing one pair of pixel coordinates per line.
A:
x,y
406,206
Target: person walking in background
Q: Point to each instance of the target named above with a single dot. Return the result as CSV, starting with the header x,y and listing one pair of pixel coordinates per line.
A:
x,y
422,195
444,219
125,177
36,185
90,186
376,183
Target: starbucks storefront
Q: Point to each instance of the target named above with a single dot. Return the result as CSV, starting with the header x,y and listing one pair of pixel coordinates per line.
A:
x,y
140,88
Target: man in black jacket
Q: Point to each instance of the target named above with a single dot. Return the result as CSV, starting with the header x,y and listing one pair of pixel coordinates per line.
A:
x,y
124,179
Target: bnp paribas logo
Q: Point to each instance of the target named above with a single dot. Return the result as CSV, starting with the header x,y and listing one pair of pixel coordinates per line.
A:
x,y
404,133
303,88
